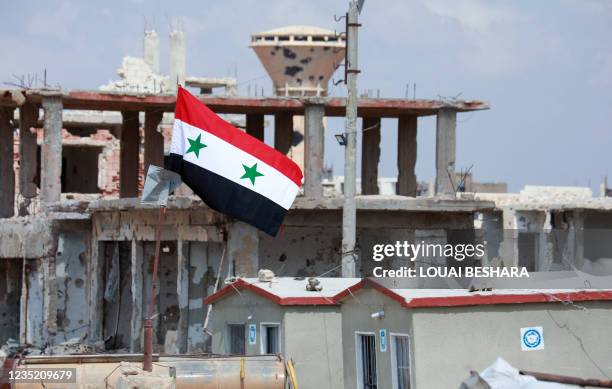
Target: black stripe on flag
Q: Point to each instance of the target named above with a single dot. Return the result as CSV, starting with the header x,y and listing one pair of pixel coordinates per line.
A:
x,y
227,197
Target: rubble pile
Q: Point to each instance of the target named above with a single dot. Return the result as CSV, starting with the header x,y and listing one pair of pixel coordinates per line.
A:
x,y
75,346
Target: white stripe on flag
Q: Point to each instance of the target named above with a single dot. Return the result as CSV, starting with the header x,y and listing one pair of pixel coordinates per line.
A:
x,y
226,160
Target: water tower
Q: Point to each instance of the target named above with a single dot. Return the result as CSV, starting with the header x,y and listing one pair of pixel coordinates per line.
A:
x,y
300,61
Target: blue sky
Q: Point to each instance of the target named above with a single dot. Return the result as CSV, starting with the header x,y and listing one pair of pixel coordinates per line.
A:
x,y
544,66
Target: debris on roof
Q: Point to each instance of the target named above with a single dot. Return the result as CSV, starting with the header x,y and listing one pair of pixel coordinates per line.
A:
x,y
291,291
314,285
265,275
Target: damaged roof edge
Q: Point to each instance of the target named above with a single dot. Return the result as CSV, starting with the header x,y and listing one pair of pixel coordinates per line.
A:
x,y
365,203
334,106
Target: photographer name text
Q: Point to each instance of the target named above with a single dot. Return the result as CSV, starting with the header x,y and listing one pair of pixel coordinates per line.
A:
x,y
431,255
452,272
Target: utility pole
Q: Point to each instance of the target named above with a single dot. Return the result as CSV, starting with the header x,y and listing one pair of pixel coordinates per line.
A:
x,y
349,211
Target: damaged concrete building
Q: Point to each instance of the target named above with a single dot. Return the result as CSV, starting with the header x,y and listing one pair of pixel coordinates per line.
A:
x,y
546,228
76,245
82,266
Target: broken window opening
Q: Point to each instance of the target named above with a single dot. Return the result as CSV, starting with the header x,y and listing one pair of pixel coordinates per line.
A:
x,y
204,261
80,168
528,249
117,295
11,273
166,311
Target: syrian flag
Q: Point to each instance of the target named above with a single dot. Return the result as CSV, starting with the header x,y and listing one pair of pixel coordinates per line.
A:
x,y
233,172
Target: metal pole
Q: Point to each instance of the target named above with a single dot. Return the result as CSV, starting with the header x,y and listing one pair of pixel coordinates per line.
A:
x,y
590,382
209,309
147,360
349,212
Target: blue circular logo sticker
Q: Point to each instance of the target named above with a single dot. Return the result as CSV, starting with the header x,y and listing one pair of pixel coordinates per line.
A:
x,y
532,338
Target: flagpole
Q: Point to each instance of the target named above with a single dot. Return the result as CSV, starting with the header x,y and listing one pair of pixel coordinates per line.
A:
x,y
147,361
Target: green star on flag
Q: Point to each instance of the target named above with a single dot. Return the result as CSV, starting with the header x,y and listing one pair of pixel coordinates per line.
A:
x,y
195,145
251,173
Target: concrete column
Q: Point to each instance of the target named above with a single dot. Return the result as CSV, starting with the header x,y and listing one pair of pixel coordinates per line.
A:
x,y
545,244
508,248
370,156
51,150
243,249
577,237
313,149
136,289
154,140
283,132
28,119
34,329
96,290
488,227
23,307
406,155
446,128
7,174
151,50
130,146
178,59
50,299
255,126
182,291
296,152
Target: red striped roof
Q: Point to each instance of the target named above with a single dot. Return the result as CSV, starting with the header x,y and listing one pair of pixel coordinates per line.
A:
x,y
413,298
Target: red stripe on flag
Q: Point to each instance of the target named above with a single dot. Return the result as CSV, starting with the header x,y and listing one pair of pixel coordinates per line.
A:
x,y
192,111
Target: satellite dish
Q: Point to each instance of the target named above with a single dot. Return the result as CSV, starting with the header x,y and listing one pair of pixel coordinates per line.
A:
x,y
158,185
